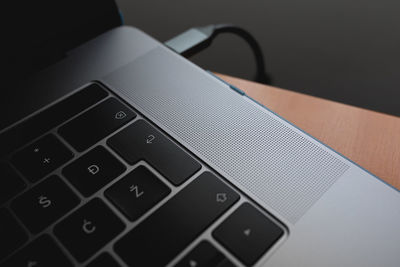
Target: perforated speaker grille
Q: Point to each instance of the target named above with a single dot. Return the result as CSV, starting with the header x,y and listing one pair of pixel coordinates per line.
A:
x,y
284,168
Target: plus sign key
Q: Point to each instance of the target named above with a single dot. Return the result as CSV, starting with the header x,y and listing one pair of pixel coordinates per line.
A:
x,y
41,158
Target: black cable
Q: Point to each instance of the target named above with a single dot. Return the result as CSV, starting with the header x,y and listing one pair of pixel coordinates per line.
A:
x,y
197,39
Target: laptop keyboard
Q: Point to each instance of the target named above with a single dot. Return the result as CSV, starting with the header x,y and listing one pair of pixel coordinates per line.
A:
x,y
89,181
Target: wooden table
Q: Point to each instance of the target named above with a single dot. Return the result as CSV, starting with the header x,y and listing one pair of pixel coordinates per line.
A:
x,y
369,138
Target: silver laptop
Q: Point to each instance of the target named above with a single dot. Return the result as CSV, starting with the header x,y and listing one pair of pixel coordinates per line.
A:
x,y
138,157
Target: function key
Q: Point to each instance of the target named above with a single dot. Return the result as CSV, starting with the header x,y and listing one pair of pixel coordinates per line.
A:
x,y
93,170
44,204
89,229
12,236
41,158
41,252
10,183
137,192
141,141
172,227
104,260
248,234
205,255
95,124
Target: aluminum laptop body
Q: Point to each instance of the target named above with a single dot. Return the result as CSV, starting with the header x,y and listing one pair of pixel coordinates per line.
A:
x,y
331,211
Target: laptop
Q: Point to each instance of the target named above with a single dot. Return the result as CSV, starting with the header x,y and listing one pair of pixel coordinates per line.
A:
x,y
116,151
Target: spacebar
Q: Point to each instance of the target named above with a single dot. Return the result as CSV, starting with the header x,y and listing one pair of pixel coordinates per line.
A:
x,y
163,235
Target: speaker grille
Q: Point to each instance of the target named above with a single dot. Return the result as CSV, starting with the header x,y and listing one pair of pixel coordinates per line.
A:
x,y
284,168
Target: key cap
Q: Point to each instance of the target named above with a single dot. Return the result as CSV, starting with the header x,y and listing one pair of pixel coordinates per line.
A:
x,y
12,236
93,171
248,234
104,260
205,255
137,192
39,124
177,223
87,230
142,141
43,252
44,204
41,158
10,183
92,126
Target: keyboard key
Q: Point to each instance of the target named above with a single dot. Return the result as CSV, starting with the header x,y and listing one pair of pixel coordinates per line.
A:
x,y
142,141
41,158
248,234
87,230
41,123
10,183
44,204
137,192
177,223
93,171
205,255
12,236
92,126
43,252
104,260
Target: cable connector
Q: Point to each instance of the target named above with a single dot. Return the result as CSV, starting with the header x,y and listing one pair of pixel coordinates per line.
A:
x,y
197,39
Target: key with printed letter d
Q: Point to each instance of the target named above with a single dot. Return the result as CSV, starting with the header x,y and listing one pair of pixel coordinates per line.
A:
x,y
93,170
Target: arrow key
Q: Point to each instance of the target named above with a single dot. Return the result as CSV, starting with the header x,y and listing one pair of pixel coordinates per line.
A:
x,y
205,255
248,233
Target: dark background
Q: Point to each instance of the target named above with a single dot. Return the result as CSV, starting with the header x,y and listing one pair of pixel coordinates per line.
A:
x,y
344,50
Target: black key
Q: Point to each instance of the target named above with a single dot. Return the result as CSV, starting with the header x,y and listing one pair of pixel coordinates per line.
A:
x,y
41,158
248,234
94,170
43,252
142,141
10,183
44,204
205,255
104,260
12,236
177,223
95,124
137,192
37,125
87,230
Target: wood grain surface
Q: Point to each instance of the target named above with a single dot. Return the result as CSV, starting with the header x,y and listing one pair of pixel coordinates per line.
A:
x,y
369,138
